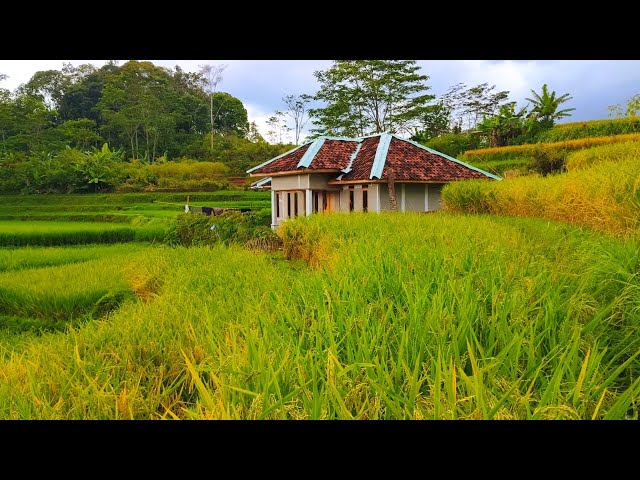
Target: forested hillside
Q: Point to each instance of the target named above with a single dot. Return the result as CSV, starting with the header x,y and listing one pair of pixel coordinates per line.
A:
x,y
55,125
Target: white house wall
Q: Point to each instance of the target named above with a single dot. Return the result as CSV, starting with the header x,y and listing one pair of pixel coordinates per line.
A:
x,y
290,182
318,181
414,197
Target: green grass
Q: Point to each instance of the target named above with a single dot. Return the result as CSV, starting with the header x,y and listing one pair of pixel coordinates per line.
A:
x,y
395,316
12,259
121,208
19,233
36,294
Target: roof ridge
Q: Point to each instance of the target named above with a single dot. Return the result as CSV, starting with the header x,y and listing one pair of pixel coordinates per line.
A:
x,y
352,158
381,155
311,152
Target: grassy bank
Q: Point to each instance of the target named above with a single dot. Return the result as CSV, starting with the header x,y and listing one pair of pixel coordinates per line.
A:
x,y
604,196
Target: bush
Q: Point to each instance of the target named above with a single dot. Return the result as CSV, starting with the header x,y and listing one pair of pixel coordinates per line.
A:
x,y
230,227
546,161
180,175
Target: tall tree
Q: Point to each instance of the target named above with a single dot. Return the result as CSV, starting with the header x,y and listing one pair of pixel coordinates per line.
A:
x,y
545,106
230,114
48,85
297,111
211,77
480,102
370,96
279,127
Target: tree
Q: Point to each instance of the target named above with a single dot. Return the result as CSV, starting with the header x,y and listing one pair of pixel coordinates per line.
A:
x,y
503,127
279,127
137,101
370,96
211,77
230,114
545,106
435,122
297,110
48,85
633,107
480,102
253,134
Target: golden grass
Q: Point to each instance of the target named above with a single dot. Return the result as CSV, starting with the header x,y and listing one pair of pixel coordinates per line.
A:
x,y
530,148
604,196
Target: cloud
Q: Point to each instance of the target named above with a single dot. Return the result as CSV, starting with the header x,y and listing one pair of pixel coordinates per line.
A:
x,y
261,84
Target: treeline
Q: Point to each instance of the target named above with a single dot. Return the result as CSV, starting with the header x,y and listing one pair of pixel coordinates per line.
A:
x,y
146,111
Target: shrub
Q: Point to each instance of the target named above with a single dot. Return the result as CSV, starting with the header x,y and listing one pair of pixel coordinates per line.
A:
x,y
230,227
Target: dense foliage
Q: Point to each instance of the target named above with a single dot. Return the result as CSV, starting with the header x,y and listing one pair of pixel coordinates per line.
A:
x,y
143,111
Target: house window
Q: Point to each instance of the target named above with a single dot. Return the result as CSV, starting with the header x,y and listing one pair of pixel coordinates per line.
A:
x,y
365,200
351,199
288,204
277,205
324,201
295,204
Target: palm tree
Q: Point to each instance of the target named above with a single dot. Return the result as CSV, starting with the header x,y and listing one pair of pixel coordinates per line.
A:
x,y
545,106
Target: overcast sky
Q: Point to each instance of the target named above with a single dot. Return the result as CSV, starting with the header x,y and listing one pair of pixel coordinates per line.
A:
x,y
260,84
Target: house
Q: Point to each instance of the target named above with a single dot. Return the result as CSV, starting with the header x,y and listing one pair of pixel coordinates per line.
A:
x,y
359,174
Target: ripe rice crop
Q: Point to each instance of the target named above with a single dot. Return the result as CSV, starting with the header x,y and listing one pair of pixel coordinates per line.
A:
x,y
396,316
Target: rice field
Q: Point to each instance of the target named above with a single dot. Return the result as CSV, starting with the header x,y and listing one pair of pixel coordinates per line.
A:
x,y
601,191
48,288
121,207
362,316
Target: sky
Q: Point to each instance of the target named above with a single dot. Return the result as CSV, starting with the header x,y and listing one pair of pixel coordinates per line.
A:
x,y
261,84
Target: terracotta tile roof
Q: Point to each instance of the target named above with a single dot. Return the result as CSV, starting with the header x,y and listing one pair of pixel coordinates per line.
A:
x,y
285,163
409,161
334,154
361,166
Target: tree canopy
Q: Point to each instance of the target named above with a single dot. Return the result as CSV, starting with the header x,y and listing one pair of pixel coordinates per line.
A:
x,y
146,110
370,96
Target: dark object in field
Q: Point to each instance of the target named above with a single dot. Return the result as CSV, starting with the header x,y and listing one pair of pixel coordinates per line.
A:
x,y
213,210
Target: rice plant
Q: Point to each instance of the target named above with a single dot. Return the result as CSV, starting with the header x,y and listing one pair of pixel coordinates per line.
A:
x,y
604,196
389,316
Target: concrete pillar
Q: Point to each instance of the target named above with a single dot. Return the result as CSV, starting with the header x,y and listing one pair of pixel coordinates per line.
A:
x,y
374,197
357,198
274,220
301,203
308,201
344,199
426,197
